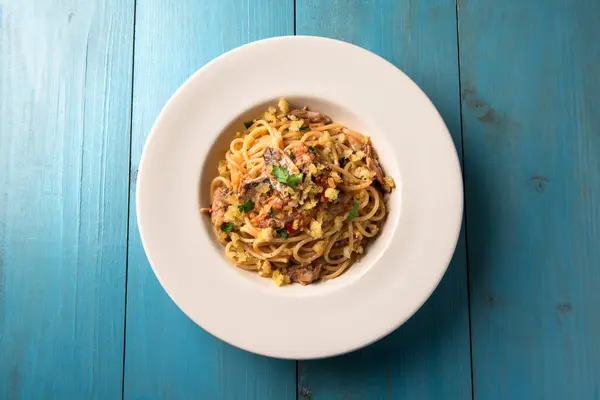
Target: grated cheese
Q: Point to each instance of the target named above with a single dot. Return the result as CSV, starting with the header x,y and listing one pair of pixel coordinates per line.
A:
x,y
279,278
296,125
332,194
389,181
283,105
315,229
265,235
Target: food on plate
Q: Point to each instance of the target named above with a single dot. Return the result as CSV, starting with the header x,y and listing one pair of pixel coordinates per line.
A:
x,y
298,196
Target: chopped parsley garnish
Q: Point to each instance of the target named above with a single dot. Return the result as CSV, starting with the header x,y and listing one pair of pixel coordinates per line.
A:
x,y
282,233
313,150
294,180
248,124
227,228
304,128
282,175
343,162
353,213
292,156
246,207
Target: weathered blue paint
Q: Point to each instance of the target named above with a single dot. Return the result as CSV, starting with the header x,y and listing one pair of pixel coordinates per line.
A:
x,y
530,73
65,95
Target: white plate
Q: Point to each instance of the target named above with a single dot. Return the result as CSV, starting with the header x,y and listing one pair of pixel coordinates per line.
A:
x,y
403,265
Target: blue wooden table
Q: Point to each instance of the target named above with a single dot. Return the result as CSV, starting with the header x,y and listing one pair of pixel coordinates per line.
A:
x,y
517,315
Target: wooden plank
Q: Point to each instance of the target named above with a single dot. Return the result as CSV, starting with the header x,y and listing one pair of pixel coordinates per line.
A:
x,y
65,85
530,84
167,355
428,357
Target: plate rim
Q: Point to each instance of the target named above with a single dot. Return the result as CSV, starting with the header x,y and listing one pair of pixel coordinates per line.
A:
x,y
156,128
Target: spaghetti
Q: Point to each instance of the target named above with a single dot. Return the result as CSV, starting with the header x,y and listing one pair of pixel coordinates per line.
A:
x,y
298,196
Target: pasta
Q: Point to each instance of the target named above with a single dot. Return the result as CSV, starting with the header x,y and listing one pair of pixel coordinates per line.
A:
x,y
298,196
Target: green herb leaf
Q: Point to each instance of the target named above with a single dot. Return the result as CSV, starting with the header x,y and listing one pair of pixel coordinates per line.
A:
x,y
248,124
304,128
292,156
246,207
353,213
343,162
282,233
282,175
227,228
313,150
294,180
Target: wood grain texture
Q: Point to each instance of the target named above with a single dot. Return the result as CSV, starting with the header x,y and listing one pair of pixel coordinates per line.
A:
x,y
167,355
428,357
530,84
65,90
